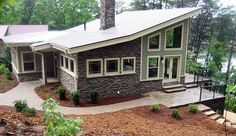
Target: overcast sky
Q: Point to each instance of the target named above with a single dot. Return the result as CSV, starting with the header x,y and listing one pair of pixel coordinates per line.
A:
x,y
224,2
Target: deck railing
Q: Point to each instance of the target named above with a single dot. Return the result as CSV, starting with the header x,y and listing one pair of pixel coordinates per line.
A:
x,y
221,89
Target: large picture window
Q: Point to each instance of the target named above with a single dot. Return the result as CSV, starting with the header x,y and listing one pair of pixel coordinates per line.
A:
x,y
128,65
153,65
94,68
154,42
174,37
28,61
112,66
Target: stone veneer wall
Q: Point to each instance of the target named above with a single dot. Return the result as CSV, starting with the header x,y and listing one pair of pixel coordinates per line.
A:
x,y
67,80
182,80
110,85
29,76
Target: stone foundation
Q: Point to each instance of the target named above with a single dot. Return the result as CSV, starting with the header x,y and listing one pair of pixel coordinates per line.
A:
x,y
68,81
182,80
29,77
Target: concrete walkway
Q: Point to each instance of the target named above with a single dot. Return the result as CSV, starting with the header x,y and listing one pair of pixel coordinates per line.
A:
x,y
25,91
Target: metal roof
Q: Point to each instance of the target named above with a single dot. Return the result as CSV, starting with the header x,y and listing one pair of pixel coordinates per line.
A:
x,y
127,24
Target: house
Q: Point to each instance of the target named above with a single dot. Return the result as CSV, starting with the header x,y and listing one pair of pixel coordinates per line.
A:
x,y
7,30
133,52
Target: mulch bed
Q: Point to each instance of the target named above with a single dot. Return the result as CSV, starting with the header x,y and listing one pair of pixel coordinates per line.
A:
x,y
8,85
48,91
141,121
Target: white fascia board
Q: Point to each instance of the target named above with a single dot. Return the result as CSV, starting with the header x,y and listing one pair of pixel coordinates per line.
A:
x,y
133,36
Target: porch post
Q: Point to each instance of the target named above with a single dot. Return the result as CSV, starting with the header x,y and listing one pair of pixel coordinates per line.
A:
x,y
43,70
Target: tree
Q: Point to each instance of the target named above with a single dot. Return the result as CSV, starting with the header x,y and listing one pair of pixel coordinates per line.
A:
x,y
63,14
28,9
120,6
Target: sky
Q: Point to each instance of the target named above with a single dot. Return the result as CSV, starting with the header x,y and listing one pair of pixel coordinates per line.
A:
x,y
224,2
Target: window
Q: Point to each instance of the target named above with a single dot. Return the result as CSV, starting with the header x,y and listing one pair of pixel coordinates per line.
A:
x,y
71,65
128,65
112,66
94,68
153,63
67,63
174,37
154,42
62,61
28,61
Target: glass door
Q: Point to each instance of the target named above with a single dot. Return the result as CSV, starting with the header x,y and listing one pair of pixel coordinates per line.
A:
x,y
171,68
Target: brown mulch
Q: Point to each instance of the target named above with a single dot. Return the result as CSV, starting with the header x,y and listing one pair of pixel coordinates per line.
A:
x,y
49,89
138,121
15,123
10,85
142,122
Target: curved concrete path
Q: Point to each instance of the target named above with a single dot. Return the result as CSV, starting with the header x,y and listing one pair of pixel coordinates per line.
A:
x,y
25,91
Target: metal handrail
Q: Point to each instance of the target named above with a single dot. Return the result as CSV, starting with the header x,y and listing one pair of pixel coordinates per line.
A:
x,y
214,90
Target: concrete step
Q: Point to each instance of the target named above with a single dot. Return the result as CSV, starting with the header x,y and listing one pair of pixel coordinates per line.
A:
x,y
172,86
215,117
175,90
220,120
228,123
203,108
209,113
234,126
191,86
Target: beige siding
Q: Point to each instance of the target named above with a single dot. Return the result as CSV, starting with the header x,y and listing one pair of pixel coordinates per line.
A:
x,y
163,52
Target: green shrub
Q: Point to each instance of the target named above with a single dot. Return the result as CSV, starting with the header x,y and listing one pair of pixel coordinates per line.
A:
x,y
29,111
155,108
55,122
20,105
192,108
62,92
94,96
176,113
75,97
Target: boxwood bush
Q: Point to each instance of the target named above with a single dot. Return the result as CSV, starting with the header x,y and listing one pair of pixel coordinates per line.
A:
x,y
155,108
176,113
29,111
192,108
20,105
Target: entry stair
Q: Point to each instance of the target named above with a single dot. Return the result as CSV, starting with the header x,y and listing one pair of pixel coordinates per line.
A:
x,y
173,88
215,116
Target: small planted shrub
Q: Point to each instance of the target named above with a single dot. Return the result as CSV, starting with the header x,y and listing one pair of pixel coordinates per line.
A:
x,y
176,113
4,70
192,108
29,111
75,97
94,96
155,108
62,92
20,105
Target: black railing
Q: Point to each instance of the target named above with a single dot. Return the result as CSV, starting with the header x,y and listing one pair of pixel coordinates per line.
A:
x,y
201,74
221,89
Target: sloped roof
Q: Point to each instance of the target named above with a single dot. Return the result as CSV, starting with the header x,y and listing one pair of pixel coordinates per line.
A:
x,y
130,23
3,31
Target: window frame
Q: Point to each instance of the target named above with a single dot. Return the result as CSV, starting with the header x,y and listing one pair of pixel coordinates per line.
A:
x,y
182,37
87,68
128,72
158,68
23,62
148,42
111,73
68,70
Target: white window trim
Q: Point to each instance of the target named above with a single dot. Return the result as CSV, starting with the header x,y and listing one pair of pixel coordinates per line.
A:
x,y
158,71
182,37
149,37
69,66
22,62
128,72
87,68
112,73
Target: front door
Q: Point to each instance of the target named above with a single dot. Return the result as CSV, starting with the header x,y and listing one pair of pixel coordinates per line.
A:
x,y
171,69
50,64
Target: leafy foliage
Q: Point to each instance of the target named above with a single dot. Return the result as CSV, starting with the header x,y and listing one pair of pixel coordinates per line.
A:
x,y
29,111
191,64
155,108
75,97
56,123
192,108
230,100
176,113
20,105
94,96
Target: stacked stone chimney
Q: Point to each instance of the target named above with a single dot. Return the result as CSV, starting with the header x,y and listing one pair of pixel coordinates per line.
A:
x,y
107,14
